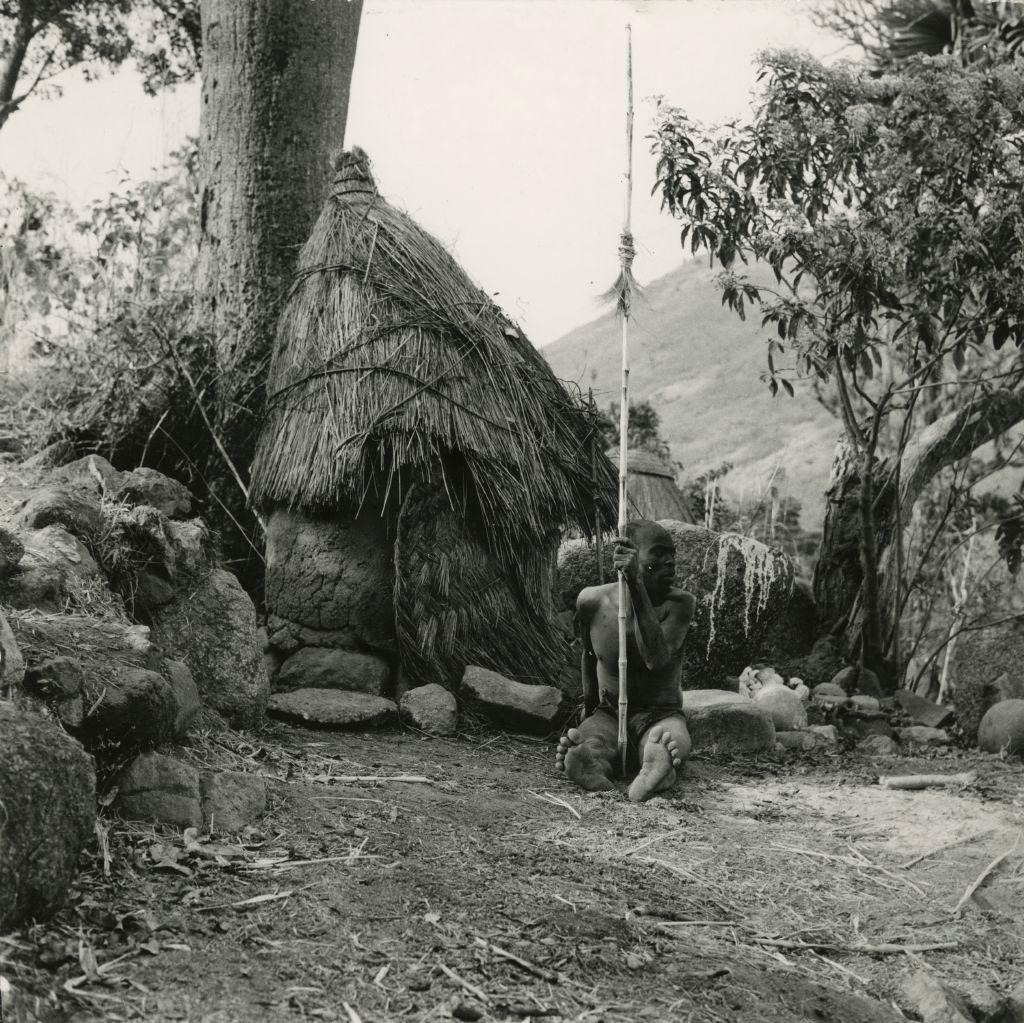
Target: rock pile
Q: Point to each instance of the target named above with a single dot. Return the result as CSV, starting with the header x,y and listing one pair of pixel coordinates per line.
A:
x,y
118,632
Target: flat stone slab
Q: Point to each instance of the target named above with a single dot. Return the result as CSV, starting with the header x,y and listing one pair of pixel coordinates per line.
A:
x,y
516,706
325,668
922,711
728,721
329,708
920,735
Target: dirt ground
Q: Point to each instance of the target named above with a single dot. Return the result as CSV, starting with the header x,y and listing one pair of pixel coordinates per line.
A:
x,y
498,892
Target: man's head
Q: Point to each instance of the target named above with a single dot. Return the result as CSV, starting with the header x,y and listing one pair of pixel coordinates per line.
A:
x,y
656,553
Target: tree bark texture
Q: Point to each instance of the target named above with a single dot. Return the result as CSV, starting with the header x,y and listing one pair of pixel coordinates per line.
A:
x,y
276,79
838,574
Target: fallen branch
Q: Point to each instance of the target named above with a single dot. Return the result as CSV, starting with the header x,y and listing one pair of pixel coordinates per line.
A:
x,y
352,779
256,900
885,948
537,971
472,989
913,782
980,879
943,848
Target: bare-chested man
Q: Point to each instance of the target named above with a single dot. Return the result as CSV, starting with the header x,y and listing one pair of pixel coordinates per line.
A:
x,y
655,632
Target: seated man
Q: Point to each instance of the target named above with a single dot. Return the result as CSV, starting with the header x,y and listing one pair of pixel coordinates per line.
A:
x,y
655,631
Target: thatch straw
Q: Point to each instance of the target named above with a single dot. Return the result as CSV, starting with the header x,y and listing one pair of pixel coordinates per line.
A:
x,y
391,367
651,487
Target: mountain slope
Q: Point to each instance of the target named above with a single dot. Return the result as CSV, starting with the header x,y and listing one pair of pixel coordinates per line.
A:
x,y
699,366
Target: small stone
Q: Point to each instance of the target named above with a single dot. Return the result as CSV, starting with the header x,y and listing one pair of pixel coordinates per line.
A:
x,y
828,735
828,690
783,706
1013,1006
324,668
59,682
879,746
12,664
1002,728
60,452
920,735
152,488
55,506
922,711
728,721
10,445
984,1002
333,708
861,702
431,709
934,1001
231,800
12,550
161,789
853,680
796,740
535,710
93,474
48,801
861,724
186,697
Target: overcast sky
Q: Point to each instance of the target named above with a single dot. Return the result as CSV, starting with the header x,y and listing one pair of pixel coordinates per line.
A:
x,y
498,124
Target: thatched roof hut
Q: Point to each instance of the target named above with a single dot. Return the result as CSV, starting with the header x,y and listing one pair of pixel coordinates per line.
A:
x,y
395,379
651,487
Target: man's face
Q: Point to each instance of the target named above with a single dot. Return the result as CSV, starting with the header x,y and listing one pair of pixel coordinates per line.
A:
x,y
657,555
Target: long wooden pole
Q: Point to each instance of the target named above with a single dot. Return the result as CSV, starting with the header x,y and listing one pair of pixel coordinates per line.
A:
x,y
625,279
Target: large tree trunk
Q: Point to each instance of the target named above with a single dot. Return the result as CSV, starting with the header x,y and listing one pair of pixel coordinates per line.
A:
x,y
276,77
838,575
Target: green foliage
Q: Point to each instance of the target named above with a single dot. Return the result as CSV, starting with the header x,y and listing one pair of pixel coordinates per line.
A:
x,y
44,38
96,316
887,207
976,31
644,428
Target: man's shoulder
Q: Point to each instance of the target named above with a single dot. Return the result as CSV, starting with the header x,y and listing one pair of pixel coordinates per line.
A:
x,y
591,597
686,601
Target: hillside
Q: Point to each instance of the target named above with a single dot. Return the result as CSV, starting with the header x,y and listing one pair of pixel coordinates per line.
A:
x,y
699,365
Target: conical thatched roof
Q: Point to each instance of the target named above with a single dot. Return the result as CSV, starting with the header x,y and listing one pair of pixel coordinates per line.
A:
x,y
391,368
651,487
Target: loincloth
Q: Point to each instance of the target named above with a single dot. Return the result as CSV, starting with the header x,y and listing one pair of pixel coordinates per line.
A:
x,y
639,720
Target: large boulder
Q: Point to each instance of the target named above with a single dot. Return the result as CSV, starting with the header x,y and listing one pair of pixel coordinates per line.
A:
x,y
145,486
212,628
326,668
1002,728
105,682
783,706
515,706
67,507
726,722
333,708
791,636
987,669
48,802
333,575
743,588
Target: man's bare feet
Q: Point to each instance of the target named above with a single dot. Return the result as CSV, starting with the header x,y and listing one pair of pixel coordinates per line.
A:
x,y
582,764
658,770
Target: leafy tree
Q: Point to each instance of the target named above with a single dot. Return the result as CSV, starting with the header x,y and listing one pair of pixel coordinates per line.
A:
x,y
41,39
892,30
644,428
887,205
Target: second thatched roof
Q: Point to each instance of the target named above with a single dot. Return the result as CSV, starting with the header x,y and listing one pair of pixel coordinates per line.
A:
x,y
391,366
